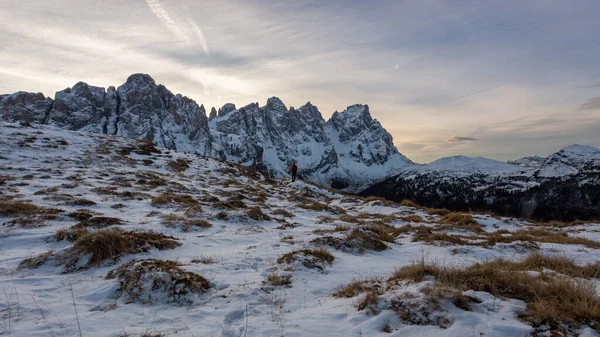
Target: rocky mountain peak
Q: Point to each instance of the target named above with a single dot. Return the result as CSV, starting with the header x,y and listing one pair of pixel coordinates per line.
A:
x,y
227,108
213,113
274,104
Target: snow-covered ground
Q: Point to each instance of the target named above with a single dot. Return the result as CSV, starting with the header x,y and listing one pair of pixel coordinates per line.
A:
x,y
73,171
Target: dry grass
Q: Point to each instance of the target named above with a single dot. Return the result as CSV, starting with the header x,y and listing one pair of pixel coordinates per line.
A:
x,y
177,283
15,208
178,165
461,221
110,244
82,214
336,229
437,211
358,240
204,260
36,261
283,213
408,203
255,213
278,280
174,220
69,234
99,222
357,287
413,218
168,198
80,202
311,258
370,302
314,205
551,299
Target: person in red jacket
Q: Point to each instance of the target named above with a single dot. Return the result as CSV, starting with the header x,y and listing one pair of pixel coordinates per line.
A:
x,y
293,170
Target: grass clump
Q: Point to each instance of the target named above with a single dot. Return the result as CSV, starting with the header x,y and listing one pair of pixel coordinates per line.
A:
x,y
14,208
278,280
551,299
81,214
157,281
283,213
111,244
412,218
462,221
36,261
315,206
99,222
70,234
168,198
255,213
311,258
178,165
408,203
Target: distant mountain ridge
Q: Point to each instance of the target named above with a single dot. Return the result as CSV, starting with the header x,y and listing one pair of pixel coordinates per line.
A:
x,y
351,150
563,186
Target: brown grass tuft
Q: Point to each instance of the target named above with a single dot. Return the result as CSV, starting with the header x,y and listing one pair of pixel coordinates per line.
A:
x,y
256,214
110,244
70,234
178,165
408,203
168,198
278,280
315,206
14,208
413,218
311,258
283,213
36,261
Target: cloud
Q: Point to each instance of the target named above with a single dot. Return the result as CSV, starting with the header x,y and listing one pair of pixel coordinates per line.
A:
x,y
181,31
592,103
459,139
591,86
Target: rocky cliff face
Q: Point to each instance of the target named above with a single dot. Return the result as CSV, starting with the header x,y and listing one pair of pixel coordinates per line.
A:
x,y
25,107
563,186
348,151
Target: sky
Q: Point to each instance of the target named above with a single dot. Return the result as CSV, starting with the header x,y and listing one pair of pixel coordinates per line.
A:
x,y
499,78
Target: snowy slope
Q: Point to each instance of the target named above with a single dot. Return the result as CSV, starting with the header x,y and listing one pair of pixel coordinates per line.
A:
x,y
237,254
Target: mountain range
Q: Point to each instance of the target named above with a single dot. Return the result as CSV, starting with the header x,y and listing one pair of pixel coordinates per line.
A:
x,y
350,151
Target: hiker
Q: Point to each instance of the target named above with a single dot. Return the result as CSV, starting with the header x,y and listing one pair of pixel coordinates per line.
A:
x,y
293,170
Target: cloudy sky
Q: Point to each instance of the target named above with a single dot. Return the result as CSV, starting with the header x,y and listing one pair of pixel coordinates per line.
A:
x,y
497,78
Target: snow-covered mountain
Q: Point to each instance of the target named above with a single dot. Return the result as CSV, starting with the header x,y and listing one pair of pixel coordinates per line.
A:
x,y
565,185
350,150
